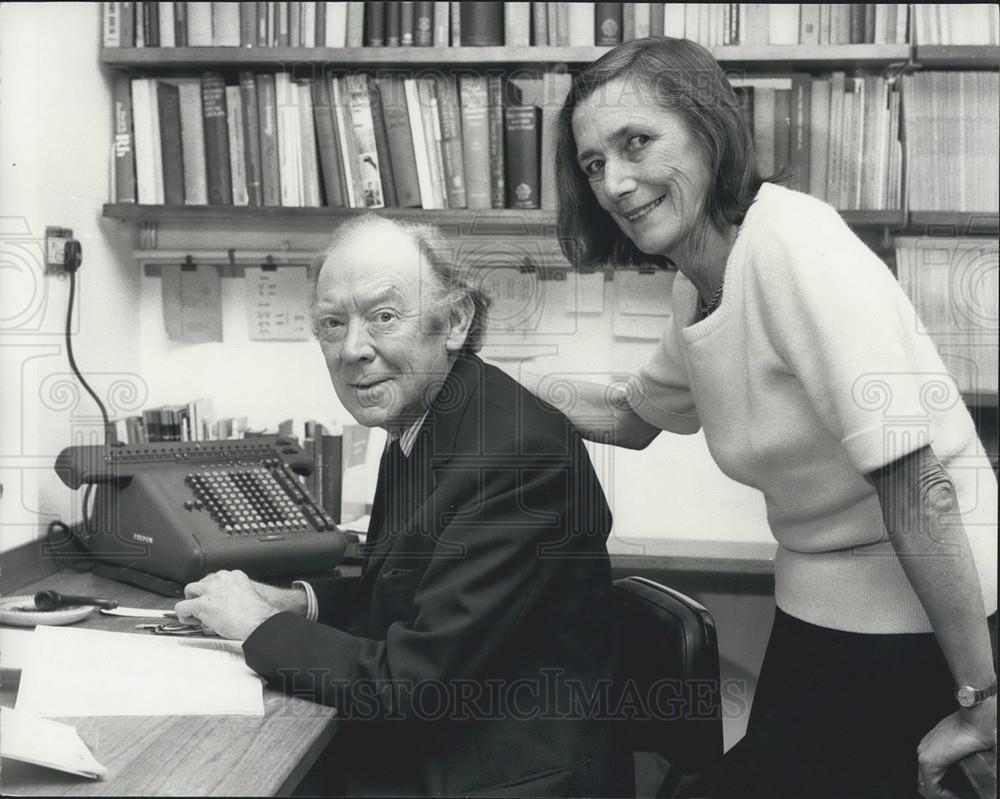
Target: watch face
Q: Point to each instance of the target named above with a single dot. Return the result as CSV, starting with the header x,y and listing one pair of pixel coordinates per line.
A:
x,y
966,696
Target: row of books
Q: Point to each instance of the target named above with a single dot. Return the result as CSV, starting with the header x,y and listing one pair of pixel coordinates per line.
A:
x,y
952,283
834,137
353,141
957,23
192,421
952,129
562,24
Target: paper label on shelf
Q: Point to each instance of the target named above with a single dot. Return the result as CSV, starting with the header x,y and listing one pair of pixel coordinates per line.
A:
x,y
277,302
192,303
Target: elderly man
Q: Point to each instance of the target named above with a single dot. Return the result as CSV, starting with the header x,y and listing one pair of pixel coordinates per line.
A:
x,y
471,654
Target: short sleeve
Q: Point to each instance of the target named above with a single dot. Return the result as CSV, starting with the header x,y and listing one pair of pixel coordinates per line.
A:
x,y
660,392
849,334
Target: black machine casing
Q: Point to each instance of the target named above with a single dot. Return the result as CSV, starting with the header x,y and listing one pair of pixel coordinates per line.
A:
x,y
169,513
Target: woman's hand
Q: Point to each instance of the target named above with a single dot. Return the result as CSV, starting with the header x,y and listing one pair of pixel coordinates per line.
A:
x,y
954,737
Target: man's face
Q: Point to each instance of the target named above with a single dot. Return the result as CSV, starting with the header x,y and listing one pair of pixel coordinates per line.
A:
x,y
385,337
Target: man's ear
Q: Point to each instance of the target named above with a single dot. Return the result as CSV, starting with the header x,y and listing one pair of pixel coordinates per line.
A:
x,y
460,317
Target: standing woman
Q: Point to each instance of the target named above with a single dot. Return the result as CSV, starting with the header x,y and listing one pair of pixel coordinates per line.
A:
x,y
797,353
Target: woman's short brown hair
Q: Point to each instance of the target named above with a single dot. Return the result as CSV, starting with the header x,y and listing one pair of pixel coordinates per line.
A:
x,y
680,76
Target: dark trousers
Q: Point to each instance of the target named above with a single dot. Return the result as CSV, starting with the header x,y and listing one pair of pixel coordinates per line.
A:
x,y
838,714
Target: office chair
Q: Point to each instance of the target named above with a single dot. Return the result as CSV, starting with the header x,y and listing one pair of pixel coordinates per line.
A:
x,y
669,676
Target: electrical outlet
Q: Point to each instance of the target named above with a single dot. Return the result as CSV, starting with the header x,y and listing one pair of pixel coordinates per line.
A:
x,y
55,243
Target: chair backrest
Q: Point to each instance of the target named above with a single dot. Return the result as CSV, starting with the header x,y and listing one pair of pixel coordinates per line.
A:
x,y
669,674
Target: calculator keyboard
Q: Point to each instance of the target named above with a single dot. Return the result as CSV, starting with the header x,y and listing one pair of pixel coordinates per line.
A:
x,y
265,501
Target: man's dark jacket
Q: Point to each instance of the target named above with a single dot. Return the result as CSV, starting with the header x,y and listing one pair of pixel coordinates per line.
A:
x,y
471,654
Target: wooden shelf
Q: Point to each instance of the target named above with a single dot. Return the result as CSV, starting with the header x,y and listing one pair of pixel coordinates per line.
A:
x,y
179,58
955,223
958,56
462,222
487,222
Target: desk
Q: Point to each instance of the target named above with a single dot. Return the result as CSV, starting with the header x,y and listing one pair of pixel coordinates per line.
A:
x,y
177,755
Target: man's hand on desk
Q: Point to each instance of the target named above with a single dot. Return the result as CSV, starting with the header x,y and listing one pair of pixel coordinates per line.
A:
x,y
230,604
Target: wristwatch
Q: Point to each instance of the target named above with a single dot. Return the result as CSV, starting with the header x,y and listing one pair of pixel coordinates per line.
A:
x,y
970,696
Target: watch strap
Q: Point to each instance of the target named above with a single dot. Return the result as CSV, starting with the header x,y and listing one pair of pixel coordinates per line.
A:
x,y
970,696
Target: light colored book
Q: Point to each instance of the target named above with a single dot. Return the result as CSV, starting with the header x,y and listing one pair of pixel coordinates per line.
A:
x,y
225,24
143,103
307,154
517,24
369,169
166,14
580,18
286,101
199,24
336,24
193,142
783,23
424,176
237,151
346,142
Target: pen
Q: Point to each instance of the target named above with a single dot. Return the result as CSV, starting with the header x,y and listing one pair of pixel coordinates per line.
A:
x,y
50,600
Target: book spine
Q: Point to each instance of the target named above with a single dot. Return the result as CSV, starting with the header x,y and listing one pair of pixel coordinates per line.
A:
x,y
421,158
641,20
392,22
364,136
111,15
442,23
556,86
498,188
400,142
430,116
308,24
407,23
199,24
180,24
800,143
539,25
374,24
763,129
165,12
326,142
263,30
319,38
169,106
124,144
126,25
355,24
142,122
819,134
517,24
295,23
286,105
193,140
857,20
476,140
451,141
213,100
331,456
523,124
455,14
869,23
423,24
268,127
237,149
782,129
225,25
336,24
251,138
248,24
608,24
308,163
482,24
282,35
151,24
346,142
382,145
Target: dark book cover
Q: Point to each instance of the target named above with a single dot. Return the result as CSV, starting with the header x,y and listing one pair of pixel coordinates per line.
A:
x,y
392,23
382,147
126,24
407,20
295,24
168,103
482,24
657,16
782,129
423,24
523,156
320,26
124,143
180,24
263,35
213,105
374,24
248,24
869,37
267,125
800,149
151,24
857,31
325,123
251,138
451,141
392,101
494,110
608,24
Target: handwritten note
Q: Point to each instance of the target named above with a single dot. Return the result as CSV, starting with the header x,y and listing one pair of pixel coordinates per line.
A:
x,y
277,302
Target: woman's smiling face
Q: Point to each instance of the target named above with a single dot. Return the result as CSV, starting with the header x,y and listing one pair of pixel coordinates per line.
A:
x,y
644,166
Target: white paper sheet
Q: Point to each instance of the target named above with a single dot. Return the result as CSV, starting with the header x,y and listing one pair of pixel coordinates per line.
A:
x,y
29,738
80,672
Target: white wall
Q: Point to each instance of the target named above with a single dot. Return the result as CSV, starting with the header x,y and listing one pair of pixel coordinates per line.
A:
x,y
54,131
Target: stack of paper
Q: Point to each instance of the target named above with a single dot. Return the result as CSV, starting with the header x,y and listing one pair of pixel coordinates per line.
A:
x,y
27,737
79,672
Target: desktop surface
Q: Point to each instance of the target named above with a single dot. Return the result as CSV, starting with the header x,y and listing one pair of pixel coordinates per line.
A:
x,y
175,755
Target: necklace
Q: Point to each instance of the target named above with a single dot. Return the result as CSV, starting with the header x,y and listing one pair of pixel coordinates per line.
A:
x,y
706,308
